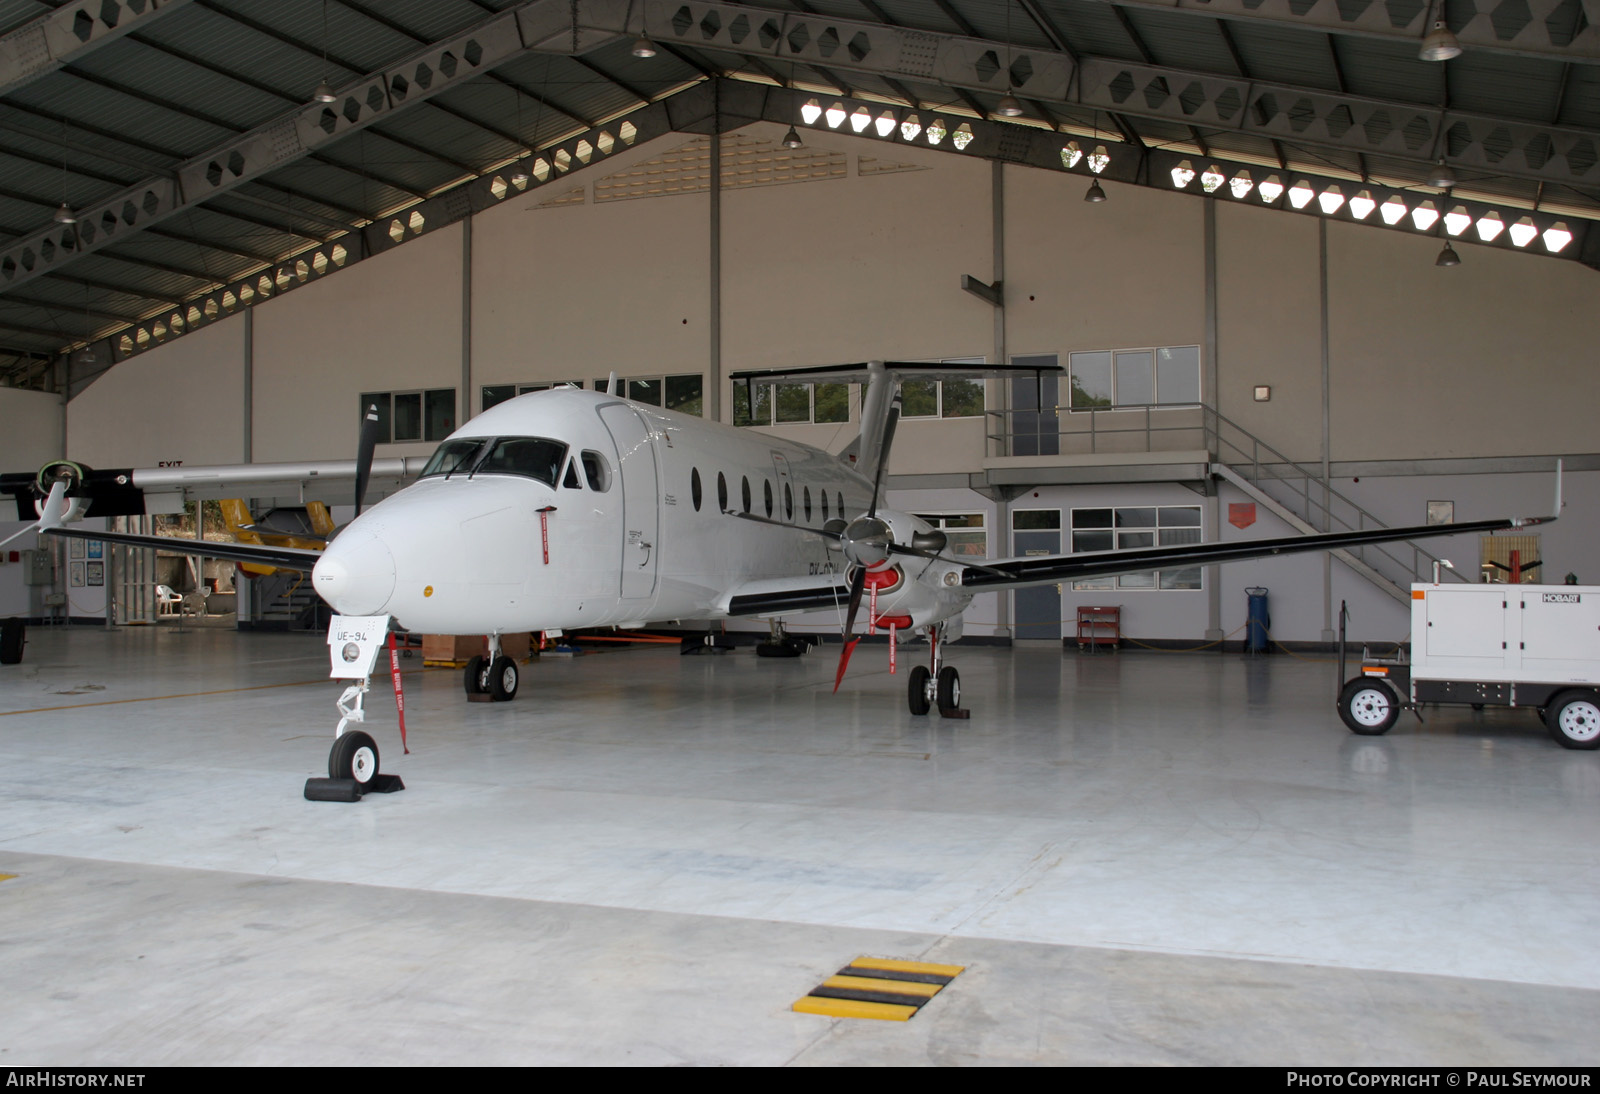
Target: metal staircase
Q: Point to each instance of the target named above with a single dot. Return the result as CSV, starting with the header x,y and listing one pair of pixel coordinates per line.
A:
x,y
1309,503
286,600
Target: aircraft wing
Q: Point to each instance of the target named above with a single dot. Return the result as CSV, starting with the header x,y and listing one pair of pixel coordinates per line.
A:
x,y
1047,569
136,491
786,595
862,372
284,558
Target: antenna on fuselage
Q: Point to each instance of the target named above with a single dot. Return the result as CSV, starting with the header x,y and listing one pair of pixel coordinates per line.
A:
x,y
611,384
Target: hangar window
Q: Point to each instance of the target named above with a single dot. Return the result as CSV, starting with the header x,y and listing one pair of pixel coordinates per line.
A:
x,y
682,393
495,394
412,415
1160,376
965,534
786,404
1130,527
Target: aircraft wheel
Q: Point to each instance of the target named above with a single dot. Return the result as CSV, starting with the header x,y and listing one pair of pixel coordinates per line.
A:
x,y
475,680
1368,707
1574,720
503,679
354,756
919,692
949,688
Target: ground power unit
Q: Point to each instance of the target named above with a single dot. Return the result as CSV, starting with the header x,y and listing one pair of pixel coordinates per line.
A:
x,y
1532,646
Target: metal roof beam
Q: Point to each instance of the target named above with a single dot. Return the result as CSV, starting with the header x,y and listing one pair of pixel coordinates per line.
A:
x,y
546,25
70,33
1130,90
1555,29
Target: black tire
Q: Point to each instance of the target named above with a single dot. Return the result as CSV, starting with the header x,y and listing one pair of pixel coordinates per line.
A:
x,y
503,679
949,688
13,636
1574,720
354,756
475,679
1369,707
917,690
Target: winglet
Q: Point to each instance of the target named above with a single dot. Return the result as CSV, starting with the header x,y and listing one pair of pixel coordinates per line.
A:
x,y
1524,522
52,512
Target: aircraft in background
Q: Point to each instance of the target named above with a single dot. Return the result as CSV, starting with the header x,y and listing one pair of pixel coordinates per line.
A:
x,y
568,509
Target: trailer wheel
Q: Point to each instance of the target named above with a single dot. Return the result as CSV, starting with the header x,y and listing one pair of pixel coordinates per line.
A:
x,y
1574,720
1368,707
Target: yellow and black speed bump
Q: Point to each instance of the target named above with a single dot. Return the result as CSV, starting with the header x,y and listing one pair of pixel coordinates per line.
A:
x,y
877,987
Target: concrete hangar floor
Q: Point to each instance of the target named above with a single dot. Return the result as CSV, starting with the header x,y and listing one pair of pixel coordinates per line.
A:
x,y
1138,858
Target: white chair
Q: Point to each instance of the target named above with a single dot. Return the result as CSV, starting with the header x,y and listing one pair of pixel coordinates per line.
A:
x,y
167,600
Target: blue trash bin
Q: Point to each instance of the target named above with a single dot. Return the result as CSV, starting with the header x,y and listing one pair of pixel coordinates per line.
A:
x,y
1259,621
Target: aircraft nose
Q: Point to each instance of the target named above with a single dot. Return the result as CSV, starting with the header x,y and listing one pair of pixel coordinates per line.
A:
x,y
356,574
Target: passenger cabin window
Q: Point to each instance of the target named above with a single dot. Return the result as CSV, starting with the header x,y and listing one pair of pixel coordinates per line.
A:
x,y
532,457
722,493
596,471
694,487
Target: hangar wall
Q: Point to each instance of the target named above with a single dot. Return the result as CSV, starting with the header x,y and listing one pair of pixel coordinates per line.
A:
x,y
847,256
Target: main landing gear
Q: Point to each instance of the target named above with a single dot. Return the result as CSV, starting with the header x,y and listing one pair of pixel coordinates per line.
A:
x,y
779,643
937,683
491,679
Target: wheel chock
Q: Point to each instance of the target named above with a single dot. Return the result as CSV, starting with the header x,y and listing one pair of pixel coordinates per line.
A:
x,y
348,790
954,712
480,697
333,790
704,643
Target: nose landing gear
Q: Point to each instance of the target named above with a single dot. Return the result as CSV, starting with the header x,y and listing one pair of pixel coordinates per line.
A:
x,y
939,683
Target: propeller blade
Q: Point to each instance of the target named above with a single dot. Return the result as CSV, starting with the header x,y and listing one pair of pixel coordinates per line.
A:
x,y
844,663
364,449
900,549
858,585
883,455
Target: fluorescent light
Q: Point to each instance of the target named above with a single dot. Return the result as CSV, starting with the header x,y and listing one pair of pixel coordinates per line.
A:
x,y
1361,205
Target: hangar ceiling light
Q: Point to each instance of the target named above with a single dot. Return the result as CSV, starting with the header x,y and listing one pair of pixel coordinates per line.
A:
x,y
1447,256
1439,44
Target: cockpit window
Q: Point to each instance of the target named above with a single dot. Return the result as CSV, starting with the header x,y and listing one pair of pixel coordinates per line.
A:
x,y
533,457
597,471
569,481
454,456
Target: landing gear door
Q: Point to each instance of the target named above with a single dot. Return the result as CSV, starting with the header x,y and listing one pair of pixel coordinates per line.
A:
x,y
636,462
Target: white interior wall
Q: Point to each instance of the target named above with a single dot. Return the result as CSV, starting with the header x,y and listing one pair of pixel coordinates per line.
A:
x,y
390,323
183,401
1485,359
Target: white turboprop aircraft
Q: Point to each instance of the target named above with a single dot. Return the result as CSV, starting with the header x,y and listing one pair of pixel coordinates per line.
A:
x,y
569,509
